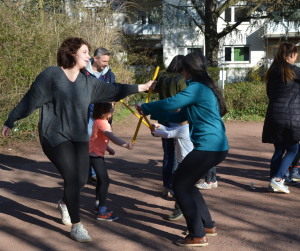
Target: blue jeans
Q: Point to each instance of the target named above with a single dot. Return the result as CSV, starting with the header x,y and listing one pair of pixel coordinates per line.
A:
x,y
280,164
90,129
170,160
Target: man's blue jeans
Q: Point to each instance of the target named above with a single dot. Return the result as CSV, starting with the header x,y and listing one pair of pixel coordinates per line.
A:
x,y
280,164
90,129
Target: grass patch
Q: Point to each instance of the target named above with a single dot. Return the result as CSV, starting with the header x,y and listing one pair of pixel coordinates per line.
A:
x,y
121,114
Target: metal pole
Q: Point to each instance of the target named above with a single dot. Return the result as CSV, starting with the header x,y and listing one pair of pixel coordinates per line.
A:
x,y
223,79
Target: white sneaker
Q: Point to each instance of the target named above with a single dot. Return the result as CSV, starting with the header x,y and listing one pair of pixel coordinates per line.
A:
x,y
203,185
271,189
279,185
214,184
79,233
65,217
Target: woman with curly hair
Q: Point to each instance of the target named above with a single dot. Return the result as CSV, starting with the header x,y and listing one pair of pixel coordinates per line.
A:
x,y
63,94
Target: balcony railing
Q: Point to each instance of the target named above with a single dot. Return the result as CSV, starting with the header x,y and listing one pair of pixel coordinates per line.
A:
x,y
282,28
142,29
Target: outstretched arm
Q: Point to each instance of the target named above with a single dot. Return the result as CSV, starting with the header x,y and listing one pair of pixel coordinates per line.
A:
x,y
104,92
38,95
109,134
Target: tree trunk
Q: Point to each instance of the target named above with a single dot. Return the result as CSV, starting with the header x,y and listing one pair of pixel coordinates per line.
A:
x,y
211,33
211,51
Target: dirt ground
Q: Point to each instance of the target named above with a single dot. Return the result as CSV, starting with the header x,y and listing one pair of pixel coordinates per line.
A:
x,y
246,219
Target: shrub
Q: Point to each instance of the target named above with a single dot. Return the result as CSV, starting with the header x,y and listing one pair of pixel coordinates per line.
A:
x,y
246,99
30,38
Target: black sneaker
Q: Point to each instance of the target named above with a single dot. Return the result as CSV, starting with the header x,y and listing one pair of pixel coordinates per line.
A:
x,y
288,181
177,214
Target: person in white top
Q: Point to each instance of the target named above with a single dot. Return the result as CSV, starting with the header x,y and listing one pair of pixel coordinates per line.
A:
x,y
181,134
183,146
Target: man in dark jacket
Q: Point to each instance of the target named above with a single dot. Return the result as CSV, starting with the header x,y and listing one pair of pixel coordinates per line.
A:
x,y
98,67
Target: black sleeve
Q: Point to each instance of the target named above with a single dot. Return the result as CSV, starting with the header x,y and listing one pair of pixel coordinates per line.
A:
x,y
104,92
36,97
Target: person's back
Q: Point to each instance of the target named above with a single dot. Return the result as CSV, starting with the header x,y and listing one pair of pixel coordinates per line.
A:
x,y
169,84
282,122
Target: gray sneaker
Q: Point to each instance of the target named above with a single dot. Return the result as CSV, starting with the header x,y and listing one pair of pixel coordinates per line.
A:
x,y
65,217
279,185
79,233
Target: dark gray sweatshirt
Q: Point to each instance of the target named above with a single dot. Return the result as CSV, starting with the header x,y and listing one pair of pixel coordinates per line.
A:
x,y
64,104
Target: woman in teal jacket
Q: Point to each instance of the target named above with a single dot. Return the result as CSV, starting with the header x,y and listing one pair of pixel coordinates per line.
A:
x,y
202,104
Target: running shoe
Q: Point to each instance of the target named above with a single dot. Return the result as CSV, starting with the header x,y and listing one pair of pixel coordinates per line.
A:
x,y
107,216
65,217
279,185
177,214
166,192
203,185
294,173
214,184
79,233
97,210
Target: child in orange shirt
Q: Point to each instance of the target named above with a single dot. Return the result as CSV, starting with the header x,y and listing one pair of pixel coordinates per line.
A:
x,y
98,144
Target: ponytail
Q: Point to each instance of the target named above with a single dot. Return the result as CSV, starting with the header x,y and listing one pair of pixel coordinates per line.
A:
x,y
283,52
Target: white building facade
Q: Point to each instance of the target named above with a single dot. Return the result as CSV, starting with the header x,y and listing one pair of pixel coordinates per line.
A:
x,y
251,47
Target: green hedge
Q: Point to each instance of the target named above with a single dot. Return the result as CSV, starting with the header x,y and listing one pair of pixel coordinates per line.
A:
x,y
246,101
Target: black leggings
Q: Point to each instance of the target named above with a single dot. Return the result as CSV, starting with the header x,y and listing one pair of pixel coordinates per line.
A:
x,y
72,161
188,196
98,163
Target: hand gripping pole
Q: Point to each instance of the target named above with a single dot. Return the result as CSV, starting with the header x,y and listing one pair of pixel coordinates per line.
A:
x,y
147,100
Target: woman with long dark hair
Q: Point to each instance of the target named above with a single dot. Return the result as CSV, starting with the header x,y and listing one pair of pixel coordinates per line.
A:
x,y
282,122
202,104
63,95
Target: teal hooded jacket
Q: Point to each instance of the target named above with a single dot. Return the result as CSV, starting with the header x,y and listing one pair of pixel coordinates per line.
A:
x,y
200,107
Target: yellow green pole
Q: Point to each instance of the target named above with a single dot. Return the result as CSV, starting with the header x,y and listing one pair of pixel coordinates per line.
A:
x,y
147,100
134,112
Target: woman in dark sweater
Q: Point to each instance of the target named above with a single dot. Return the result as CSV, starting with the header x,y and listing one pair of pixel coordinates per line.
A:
x,y
63,95
282,122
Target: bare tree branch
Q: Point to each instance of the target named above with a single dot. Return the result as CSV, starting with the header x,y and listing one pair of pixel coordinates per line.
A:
x,y
199,11
184,9
229,29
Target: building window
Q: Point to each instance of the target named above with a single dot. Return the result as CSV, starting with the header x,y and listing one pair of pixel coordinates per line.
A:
x,y
189,50
237,54
235,14
228,15
143,18
186,50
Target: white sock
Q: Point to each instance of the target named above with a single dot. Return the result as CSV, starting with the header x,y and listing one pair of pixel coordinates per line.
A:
x,y
96,203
